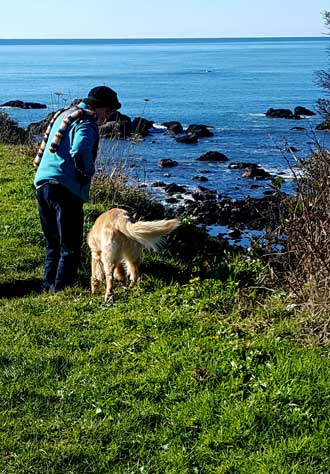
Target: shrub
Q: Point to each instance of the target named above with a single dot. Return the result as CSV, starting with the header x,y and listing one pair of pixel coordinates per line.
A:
x,y
114,191
306,231
11,133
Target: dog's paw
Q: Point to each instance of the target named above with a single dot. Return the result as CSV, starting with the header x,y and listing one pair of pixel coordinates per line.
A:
x,y
95,285
109,298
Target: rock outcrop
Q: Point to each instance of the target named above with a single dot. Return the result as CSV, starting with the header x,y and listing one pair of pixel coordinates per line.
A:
x,y
24,105
200,131
167,163
214,156
173,127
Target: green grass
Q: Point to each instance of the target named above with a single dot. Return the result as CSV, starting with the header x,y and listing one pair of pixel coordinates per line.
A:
x,y
202,377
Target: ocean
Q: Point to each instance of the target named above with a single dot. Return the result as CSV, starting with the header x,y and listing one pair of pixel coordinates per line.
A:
x,y
228,84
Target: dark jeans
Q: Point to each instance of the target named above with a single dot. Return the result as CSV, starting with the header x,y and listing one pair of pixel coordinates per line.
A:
x,y
62,218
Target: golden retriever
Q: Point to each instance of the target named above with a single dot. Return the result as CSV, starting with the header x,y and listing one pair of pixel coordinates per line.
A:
x,y
116,244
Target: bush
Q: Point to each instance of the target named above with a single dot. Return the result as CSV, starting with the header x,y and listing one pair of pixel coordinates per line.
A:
x,y
114,191
306,231
323,80
11,133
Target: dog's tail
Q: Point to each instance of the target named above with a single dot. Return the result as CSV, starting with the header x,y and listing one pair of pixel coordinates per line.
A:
x,y
149,233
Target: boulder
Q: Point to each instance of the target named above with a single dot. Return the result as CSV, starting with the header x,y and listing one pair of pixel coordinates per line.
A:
x,y
173,127
174,188
241,165
141,126
324,126
172,200
167,163
214,156
204,194
118,126
255,172
281,113
235,233
291,149
188,139
298,129
299,110
202,179
199,131
158,184
20,104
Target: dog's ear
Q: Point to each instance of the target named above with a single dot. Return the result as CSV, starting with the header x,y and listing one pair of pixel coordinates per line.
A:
x,y
134,217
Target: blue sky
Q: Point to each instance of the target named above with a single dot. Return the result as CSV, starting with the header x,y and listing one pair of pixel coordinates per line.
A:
x,y
166,19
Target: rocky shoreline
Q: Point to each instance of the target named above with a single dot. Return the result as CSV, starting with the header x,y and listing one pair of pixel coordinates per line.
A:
x,y
203,205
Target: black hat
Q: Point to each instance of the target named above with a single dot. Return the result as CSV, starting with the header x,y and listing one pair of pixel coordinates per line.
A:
x,y
102,96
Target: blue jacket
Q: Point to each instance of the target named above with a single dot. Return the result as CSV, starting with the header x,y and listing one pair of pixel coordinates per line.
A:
x,y
73,164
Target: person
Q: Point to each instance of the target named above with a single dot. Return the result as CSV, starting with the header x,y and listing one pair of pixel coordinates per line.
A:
x,y
65,166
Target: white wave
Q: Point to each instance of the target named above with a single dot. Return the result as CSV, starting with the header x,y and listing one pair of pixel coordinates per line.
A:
x,y
159,126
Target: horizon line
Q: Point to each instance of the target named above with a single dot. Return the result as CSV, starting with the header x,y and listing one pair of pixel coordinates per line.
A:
x,y
161,38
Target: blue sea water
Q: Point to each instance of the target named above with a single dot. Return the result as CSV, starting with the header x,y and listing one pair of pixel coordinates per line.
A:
x,y
226,83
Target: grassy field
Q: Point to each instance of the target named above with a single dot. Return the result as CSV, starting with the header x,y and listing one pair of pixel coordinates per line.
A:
x,y
205,376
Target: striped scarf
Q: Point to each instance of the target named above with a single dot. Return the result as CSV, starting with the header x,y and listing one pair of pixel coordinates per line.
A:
x,y
59,134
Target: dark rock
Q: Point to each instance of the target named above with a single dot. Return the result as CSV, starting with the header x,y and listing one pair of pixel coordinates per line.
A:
x,y
324,126
204,194
189,201
137,137
299,110
173,127
282,113
189,139
171,200
254,213
255,172
202,179
214,156
235,233
167,163
174,188
199,131
158,184
241,166
298,129
118,126
24,105
203,189
199,196
291,149
141,126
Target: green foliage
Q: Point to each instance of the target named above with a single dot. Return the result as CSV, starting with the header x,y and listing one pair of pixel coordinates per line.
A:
x,y
116,192
246,271
276,183
160,379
